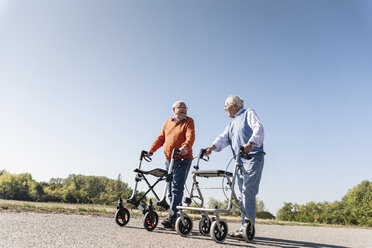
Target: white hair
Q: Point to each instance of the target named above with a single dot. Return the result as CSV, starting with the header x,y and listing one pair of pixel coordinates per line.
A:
x,y
177,103
235,100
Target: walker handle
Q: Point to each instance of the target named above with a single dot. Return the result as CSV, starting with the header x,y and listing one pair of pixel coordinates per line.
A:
x,y
144,156
178,155
175,153
243,154
203,156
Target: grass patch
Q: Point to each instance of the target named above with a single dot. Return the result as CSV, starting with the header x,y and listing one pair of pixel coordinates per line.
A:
x,y
28,205
58,209
7,205
81,209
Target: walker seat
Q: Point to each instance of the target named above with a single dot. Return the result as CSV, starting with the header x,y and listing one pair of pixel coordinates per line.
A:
x,y
155,172
212,173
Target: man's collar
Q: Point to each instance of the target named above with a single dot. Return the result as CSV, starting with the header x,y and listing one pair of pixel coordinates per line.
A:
x,y
240,111
175,119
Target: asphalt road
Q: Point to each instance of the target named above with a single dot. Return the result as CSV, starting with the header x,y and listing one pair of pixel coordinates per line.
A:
x,y
60,230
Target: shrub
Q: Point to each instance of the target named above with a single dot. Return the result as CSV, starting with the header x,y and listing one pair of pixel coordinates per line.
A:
x,y
264,215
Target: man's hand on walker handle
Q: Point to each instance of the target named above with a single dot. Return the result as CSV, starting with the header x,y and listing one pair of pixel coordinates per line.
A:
x,y
248,147
183,151
209,150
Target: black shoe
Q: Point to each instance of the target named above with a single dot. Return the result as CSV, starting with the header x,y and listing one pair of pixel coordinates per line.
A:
x,y
167,224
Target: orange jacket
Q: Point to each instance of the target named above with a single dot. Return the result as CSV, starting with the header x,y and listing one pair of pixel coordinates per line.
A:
x,y
176,135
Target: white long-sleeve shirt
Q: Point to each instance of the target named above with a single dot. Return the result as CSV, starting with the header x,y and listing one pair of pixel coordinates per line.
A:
x,y
254,124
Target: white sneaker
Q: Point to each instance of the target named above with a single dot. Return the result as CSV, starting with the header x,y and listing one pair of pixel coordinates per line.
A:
x,y
237,234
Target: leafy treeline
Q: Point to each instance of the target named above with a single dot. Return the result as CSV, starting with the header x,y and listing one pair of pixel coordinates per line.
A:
x,y
73,189
354,208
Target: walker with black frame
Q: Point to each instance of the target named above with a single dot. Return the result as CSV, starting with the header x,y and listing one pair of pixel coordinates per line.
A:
x,y
215,227
151,218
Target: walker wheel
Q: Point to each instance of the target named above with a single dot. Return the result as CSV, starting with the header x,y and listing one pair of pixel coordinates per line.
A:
x,y
248,231
205,226
219,234
182,229
122,216
150,220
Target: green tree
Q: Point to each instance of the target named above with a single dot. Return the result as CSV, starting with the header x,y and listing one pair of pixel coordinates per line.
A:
x,y
260,205
35,191
53,190
354,208
17,186
264,215
74,189
117,188
287,212
358,204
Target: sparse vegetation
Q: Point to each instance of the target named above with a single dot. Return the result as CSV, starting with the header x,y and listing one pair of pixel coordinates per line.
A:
x,y
73,189
354,208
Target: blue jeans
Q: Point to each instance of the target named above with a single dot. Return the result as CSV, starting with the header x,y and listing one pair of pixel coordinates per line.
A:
x,y
249,177
176,187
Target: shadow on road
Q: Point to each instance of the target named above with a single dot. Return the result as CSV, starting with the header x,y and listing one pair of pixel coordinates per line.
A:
x,y
270,242
258,241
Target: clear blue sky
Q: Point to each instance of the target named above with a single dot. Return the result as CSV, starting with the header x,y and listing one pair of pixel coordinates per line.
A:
x,y
86,85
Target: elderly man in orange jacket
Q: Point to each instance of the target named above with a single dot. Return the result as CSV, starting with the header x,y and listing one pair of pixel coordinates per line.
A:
x,y
178,132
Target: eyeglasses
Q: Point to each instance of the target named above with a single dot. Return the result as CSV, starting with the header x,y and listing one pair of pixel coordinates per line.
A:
x,y
181,107
229,104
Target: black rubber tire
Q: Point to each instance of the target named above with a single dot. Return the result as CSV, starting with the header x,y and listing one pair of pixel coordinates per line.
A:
x,y
216,234
150,221
248,232
181,229
122,216
205,226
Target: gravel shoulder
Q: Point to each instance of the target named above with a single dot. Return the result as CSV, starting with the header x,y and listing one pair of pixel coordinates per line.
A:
x,y
28,229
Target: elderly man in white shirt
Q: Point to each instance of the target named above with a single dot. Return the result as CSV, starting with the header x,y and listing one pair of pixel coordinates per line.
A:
x,y
244,130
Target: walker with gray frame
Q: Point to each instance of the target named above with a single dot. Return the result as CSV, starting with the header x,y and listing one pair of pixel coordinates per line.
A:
x,y
215,227
151,218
